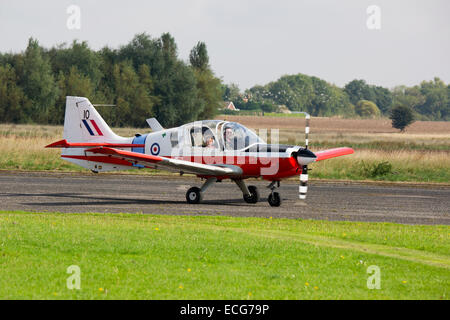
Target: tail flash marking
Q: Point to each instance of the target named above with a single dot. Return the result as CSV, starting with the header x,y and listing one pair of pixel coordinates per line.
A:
x,y
100,133
88,128
94,124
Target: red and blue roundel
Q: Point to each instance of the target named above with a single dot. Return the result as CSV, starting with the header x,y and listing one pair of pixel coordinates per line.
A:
x,y
154,149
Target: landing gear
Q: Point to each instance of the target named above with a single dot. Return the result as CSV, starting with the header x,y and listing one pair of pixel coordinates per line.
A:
x,y
195,195
274,198
254,195
250,193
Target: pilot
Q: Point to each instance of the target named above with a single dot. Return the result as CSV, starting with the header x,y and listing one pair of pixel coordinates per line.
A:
x,y
228,137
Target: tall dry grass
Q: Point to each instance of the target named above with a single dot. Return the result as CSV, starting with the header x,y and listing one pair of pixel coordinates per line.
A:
x,y
22,147
407,165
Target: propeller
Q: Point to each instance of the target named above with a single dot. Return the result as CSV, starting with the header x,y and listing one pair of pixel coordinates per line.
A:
x,y
305,157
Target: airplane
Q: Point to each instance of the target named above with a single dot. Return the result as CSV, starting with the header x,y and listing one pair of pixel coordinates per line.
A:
x,y
213,150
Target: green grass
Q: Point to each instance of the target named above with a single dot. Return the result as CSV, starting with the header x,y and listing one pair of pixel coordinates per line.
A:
x,y
124,256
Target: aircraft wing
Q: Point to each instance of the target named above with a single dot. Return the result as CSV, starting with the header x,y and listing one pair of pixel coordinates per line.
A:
x,y
168,163
332,153
64,144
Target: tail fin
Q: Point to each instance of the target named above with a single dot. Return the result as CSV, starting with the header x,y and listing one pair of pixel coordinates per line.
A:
x,y
82,123
85,128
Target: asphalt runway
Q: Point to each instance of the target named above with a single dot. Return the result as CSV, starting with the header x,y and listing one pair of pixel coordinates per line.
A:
x,y
66,193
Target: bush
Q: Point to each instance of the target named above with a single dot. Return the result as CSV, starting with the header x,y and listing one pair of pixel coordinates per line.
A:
x,y
367,109
401,116
228,112
373,170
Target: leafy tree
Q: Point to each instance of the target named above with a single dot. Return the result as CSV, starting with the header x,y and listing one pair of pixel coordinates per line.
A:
x,y
142,50
199,57
14,106
359,90
303,93
38,82
133,99
383,98
367,109
231,92
294,91
436,104
268,107
401,116
72,84
410,97
209,87
175,84
78,55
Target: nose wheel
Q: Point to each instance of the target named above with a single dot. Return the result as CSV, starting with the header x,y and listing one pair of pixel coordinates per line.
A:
x,y
274,198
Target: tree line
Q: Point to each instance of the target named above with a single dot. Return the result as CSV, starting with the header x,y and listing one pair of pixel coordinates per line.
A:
x,y
143,79
428,101
146,78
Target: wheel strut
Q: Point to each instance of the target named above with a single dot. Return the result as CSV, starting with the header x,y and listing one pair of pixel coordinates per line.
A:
x,y
195,194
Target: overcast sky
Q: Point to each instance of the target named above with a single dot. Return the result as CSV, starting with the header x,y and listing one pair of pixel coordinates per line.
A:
x,y
255,42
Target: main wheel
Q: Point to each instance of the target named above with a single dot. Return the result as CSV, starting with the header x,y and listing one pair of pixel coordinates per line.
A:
x,y
274,199
254,195
193,195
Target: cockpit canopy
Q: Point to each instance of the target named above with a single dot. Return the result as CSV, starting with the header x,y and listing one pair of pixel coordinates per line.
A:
x,y
218,134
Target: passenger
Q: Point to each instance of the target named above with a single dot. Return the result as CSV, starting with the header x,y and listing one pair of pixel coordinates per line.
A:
x,y
210,142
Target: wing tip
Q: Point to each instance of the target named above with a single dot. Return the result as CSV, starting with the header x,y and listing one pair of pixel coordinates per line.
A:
x,y
58,144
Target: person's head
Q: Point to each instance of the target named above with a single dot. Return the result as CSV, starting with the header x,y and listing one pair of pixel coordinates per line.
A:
x,y
209,141
228,133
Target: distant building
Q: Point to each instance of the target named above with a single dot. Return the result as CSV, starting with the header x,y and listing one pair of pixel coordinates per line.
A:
x,y
283,109
229,105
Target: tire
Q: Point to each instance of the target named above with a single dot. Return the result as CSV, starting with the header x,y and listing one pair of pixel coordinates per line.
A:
x,y
274,199
254,195
193,195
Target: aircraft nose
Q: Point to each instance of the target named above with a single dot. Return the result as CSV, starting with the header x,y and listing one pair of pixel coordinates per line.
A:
x,y
305,156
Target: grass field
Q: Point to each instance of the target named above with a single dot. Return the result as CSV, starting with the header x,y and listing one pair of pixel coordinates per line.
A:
x,y
422,154
123,256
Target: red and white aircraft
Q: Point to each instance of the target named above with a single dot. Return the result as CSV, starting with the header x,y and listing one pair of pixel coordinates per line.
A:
x,y
212,149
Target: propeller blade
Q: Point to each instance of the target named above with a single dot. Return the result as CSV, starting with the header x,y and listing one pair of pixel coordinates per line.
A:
x,y
305,157
307,116
303,188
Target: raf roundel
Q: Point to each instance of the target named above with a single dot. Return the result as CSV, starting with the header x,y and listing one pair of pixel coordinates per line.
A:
x,y
154,149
